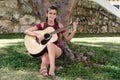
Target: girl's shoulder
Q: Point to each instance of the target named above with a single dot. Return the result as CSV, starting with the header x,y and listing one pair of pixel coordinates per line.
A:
x,y
40,25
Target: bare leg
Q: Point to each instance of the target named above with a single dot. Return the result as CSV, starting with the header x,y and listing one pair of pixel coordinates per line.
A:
x,y
44,64
53,52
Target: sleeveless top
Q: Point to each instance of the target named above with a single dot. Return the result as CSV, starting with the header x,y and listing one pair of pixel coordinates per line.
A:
x,y
56,26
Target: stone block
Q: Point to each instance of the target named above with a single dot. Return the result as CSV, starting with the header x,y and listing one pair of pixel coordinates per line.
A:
x,y
11,4
27,19
23,28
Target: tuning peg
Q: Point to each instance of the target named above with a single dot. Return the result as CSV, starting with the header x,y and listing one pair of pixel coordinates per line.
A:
x,y
84,19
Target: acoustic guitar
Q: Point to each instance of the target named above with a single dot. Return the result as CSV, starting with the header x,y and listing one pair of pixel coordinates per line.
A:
x,y
36,47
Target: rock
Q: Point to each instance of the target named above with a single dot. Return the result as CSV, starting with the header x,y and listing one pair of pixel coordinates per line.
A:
x,y
20,13
16,29
104,29
27,20
11,4
60,68
24,27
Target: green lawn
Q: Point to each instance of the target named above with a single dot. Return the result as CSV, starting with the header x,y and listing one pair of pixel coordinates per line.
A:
x,y
17,64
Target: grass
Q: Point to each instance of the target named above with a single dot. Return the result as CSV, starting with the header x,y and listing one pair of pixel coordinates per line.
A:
x,y
17,64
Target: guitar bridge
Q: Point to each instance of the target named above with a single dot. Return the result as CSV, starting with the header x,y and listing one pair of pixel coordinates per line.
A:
x,y
37,40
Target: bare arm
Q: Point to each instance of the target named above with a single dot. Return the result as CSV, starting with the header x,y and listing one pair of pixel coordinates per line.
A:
x,y
69,37
30,32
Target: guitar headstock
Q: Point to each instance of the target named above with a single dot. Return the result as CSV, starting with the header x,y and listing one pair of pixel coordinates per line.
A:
x,y
82,20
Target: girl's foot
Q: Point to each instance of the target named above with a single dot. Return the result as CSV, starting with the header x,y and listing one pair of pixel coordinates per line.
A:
x,y
51,72
43,71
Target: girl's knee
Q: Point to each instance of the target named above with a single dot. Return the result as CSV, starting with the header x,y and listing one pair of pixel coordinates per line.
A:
x,y
49,44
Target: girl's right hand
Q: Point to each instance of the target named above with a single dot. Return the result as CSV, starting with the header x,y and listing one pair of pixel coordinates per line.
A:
x,y
40,37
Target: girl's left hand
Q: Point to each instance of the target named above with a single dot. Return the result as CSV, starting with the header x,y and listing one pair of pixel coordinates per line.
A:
x,y
75,25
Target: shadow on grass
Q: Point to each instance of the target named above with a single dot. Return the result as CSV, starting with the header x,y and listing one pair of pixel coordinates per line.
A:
x,y
17,64
106,45
18,58
99,70
108,50
15,58
12,36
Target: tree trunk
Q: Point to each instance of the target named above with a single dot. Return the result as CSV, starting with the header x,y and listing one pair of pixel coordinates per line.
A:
x,y
41,7
65,8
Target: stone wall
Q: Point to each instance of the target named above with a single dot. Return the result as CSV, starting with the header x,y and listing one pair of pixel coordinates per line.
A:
x,y
97,19
18,15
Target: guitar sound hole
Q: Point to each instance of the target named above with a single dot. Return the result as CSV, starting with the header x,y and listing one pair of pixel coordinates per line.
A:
x,y
47,37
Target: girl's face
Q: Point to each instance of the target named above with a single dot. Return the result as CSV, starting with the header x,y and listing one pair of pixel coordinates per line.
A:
x,y
51,14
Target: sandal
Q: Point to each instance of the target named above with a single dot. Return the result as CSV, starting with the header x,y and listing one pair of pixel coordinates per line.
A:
x,y
51,74
43,72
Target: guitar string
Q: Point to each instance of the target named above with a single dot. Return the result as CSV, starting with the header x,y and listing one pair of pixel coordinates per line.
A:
x,y
63,28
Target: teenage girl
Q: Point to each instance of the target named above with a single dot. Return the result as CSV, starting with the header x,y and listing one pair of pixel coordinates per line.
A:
x,y
53,50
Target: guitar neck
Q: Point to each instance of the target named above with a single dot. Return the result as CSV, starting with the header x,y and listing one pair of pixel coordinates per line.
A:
x,y
59,30
64,28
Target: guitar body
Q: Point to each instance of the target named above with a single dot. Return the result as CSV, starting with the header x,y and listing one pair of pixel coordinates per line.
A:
x,y
32,45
